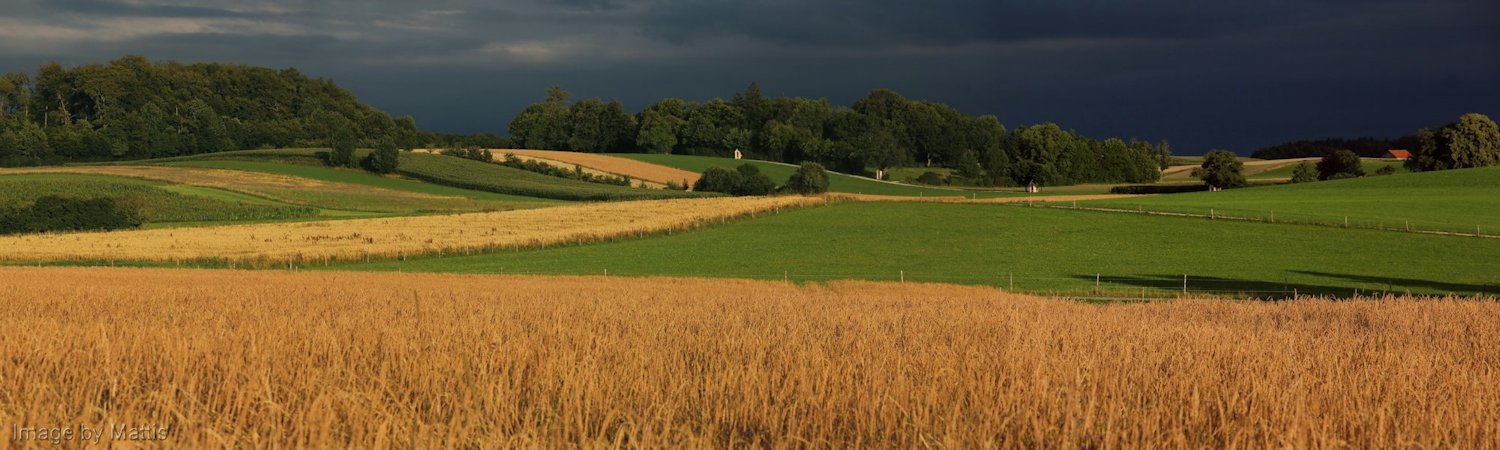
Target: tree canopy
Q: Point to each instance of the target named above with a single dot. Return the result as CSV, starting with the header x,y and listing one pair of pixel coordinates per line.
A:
x,y
879,131
132,108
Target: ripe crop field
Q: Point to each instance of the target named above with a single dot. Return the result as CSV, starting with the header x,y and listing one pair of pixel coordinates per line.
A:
x,y
460,173
353,176
393,237
276,359
161,202
1044,249
296,190
838,182
491,177
1452,200
609,163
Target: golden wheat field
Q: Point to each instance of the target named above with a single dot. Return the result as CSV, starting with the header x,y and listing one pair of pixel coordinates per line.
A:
x,y
217,358
313,242
639,170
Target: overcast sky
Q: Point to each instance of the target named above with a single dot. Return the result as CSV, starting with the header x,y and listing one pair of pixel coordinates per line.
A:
x,y
1235,74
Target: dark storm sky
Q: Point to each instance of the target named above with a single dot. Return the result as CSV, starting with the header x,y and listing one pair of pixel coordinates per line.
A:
x,y
1234,74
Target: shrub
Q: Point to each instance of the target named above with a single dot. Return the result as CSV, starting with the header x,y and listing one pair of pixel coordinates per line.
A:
x,y
718,179
1158,188
752,182
809,179
1304,173
56,213
384,158
931,178
1340,164
1387,170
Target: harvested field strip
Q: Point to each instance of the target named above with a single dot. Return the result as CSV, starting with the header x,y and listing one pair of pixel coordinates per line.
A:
x,y
308,242
341,360
289,189
611,164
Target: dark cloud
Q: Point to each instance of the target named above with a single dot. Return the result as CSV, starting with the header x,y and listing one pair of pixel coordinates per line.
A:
x,y
1232,73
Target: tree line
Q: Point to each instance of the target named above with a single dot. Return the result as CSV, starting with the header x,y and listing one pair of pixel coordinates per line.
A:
x,y
1366,147
132,108
880,131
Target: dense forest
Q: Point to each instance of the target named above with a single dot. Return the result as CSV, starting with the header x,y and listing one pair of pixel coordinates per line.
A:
x,y
879,131
1366,147
132,108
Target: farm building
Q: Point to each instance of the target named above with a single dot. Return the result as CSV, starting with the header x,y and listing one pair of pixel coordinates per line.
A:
x,y
1398,154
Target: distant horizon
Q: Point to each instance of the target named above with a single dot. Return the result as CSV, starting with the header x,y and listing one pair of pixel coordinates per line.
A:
x,y
1238,75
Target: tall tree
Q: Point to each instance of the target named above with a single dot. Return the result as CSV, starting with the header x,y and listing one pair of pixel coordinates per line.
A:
x,y
1340,164
1222,169
660,125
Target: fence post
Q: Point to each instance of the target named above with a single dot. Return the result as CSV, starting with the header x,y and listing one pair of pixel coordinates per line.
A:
x,y
785,277
1184,283
903,276
1346,221
1210,214
1012,281
1096,283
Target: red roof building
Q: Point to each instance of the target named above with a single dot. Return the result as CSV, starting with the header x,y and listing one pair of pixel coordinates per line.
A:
x,y
1398,154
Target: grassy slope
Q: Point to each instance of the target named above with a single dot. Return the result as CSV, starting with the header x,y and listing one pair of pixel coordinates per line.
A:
x,y
464,174
780,172
1369,164
1046,249
162,202
1454,200
352,176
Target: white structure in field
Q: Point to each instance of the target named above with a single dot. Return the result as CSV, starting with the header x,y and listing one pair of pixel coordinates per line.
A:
x,y
737,154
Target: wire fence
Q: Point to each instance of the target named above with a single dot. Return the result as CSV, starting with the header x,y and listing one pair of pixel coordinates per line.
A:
x,y
1420,226
1087,286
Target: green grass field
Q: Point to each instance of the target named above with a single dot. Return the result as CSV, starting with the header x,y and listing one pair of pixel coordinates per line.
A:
x,y
779,173
161,202
1045,250
1453,200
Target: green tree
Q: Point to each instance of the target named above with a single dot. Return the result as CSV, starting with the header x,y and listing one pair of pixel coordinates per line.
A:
x,y
207,128
809,179
407,135
1163,155
968,165
660,125
1222,169
1304,173
1474,141
543,125
1340,164
385,157
1039,153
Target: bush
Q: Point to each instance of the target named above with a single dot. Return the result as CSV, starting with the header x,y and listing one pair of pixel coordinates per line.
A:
x,y
1304,173
752,182
1158,188
55,213
384,158
1387,170
931,178
1339,165
474,153
718,179
809,179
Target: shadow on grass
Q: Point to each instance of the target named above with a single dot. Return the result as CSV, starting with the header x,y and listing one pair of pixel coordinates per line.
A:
x,y
1402,284
1273,290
